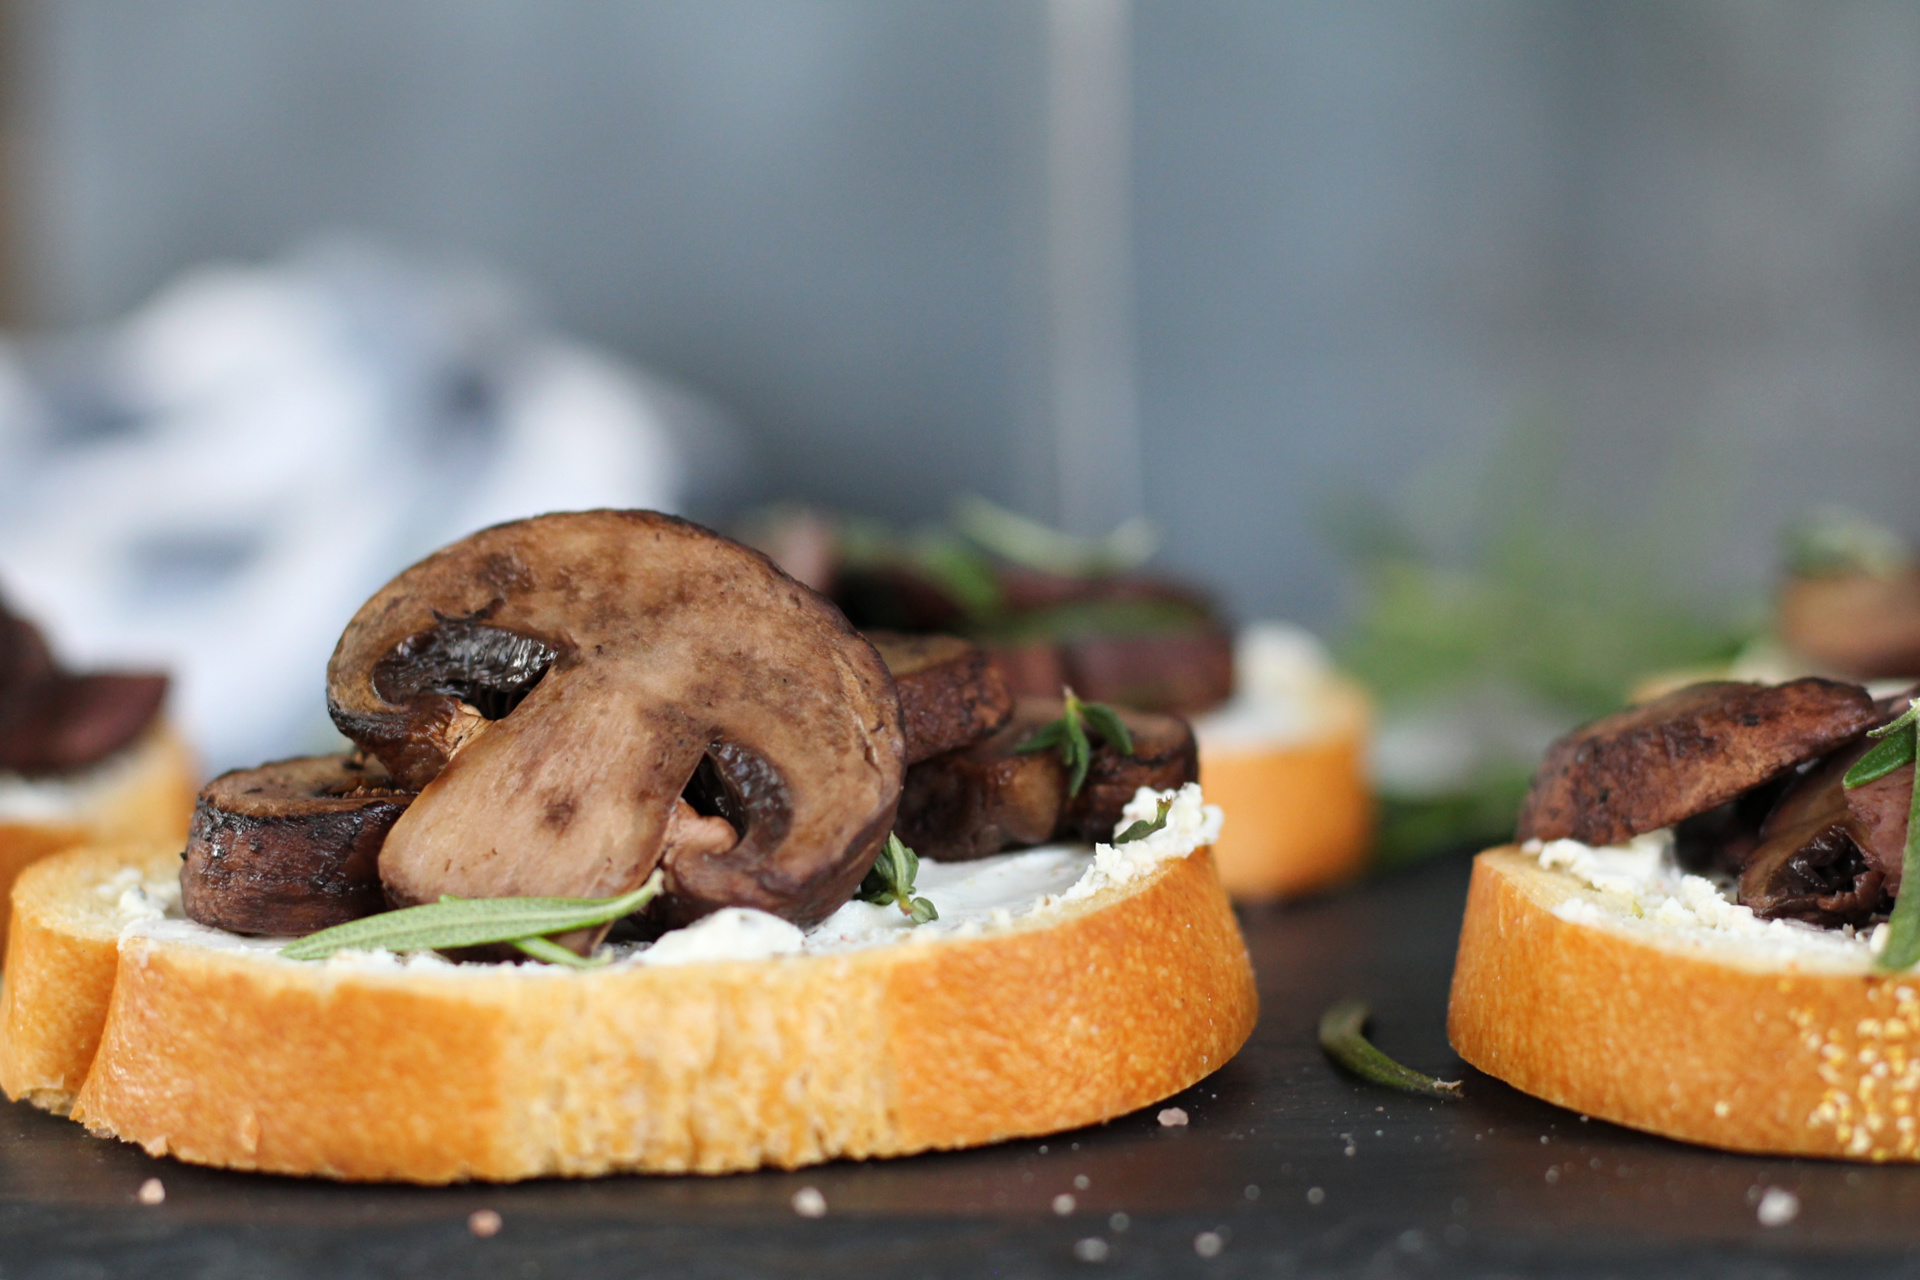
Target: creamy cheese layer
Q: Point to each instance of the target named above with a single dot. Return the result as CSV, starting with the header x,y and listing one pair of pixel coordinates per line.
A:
x,y
66,798
1639,887
973,899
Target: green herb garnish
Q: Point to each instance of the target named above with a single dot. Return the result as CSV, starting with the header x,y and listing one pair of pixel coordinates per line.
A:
x,y
1014,537
474,922
891,881
1897,746
1342,1037
1069,734
1141,829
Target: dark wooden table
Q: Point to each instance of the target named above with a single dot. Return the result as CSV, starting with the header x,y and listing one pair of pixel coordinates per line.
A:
x,y
1286,1168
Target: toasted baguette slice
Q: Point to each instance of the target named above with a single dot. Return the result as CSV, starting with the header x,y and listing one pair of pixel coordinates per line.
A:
x,y
1299,809
438,1073
144,793
1776,1040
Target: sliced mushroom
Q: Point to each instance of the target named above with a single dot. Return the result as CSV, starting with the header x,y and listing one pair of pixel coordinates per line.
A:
x,y
989,796
52,722
951,693
1651,766
985,797
622,652
291,847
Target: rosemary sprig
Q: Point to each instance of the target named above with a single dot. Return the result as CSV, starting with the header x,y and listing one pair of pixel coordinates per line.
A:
x,y
473,922
1069,734
1342,1038
891,881
1899,743
1142,828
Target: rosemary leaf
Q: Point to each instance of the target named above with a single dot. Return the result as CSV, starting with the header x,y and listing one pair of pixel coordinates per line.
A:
x,y
470,922
1887,755
1141,829
1903,927
1342,1038
553,953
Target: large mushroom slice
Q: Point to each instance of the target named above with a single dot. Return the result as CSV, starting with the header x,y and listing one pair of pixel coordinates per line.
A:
x,y
291,847
1694,749
554,685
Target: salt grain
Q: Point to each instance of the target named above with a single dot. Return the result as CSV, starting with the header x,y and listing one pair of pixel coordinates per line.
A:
x,y
1208,1244
152,1191
484,1223
1092,1249
1063,1204
1315,1195
1171,1117
1778,1207
809,1203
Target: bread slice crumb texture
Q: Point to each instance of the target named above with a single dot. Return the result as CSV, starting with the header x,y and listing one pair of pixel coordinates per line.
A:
x,y
1564,993
431,1073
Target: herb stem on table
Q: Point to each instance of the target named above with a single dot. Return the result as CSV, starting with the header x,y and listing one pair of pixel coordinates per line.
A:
x,y
1343,1038
1898,746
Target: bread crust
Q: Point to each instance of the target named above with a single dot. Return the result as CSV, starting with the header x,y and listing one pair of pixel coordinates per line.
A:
x,y
1708,1044
438,1075
152,801
1299,814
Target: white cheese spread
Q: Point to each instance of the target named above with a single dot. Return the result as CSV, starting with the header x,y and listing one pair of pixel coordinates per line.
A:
x,y
1638,887
972,898
68,797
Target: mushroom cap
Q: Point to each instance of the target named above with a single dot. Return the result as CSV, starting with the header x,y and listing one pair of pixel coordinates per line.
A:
x,y
552,685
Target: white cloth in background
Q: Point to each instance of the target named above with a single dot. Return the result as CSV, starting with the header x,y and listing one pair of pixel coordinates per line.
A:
x,y
215,484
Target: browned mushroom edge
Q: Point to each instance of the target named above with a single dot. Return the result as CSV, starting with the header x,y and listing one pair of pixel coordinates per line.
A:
x,y
582,697
291,847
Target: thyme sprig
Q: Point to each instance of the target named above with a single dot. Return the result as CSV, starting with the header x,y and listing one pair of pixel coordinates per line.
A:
x,y
1898,745
1343,1038
1069,735
1142,828
891,881
526,923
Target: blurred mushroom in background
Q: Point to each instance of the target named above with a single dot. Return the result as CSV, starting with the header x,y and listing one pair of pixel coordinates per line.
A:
x,y
214,483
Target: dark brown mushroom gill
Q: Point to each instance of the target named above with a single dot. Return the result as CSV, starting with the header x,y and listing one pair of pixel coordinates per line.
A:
x,y
630,655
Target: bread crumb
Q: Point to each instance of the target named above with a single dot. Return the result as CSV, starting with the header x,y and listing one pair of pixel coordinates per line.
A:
x,y
1208,1244
484,1223
809,1203
1171,1117
152,1191
1063,1204
1778,1207
1092,1249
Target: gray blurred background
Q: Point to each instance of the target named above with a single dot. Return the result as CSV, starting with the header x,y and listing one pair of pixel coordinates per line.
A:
x,y
1287,253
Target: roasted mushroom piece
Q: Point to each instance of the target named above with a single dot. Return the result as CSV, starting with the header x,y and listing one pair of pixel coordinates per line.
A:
x,y
554,685
992,796
951,693
290,848
52,721
1694,749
